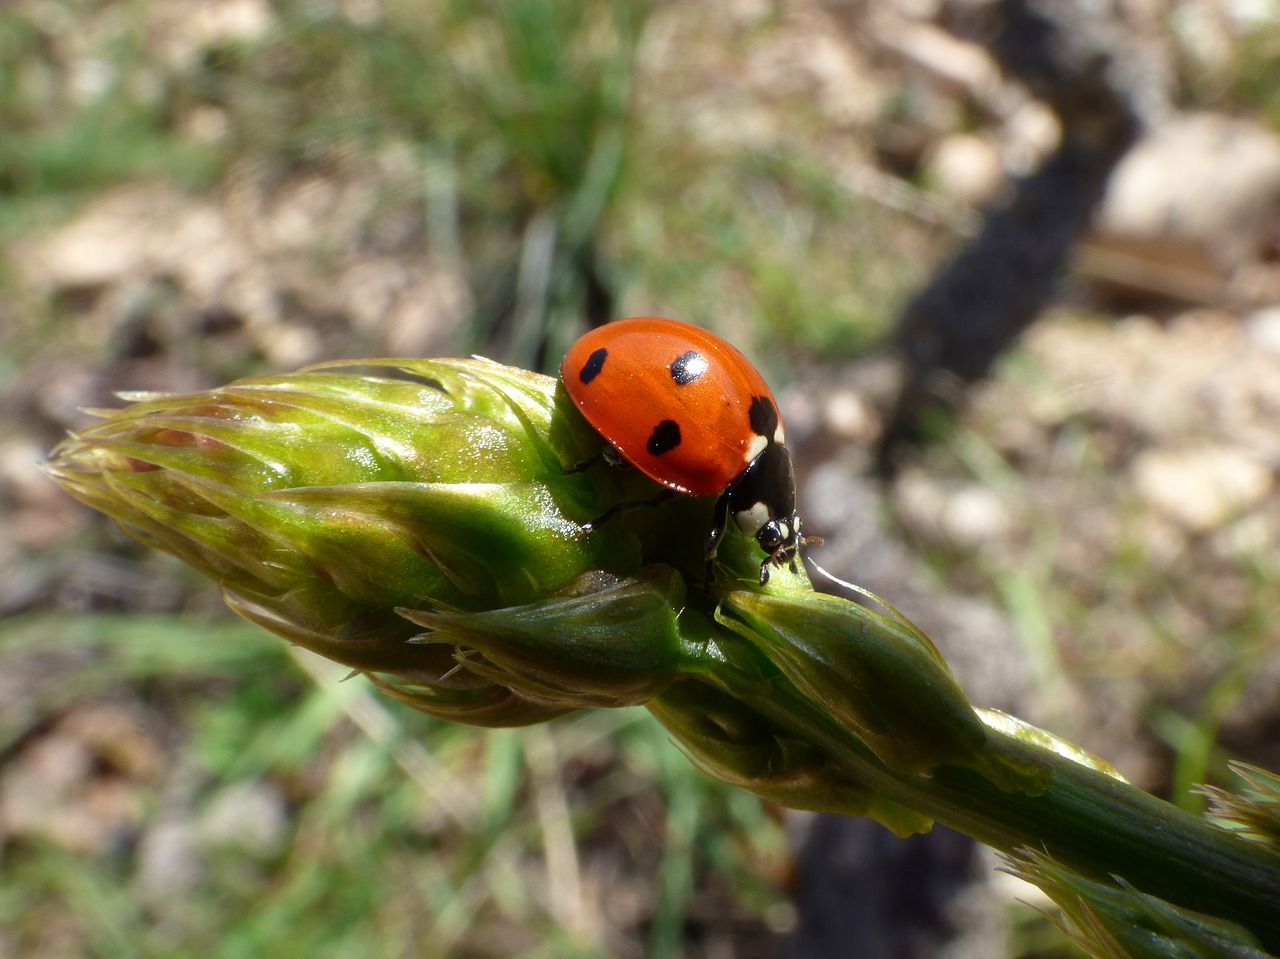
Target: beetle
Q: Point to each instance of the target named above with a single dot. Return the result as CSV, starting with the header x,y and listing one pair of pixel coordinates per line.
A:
x,y
689,411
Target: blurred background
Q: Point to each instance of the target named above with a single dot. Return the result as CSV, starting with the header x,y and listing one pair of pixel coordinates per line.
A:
x,y
1011,267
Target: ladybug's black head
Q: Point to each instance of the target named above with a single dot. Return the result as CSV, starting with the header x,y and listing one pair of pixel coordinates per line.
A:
x,y
763,504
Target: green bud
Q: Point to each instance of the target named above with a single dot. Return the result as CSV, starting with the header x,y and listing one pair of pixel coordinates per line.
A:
x,y
606,642
323,500
487,704
1036,778
1112,918
738,746
880,678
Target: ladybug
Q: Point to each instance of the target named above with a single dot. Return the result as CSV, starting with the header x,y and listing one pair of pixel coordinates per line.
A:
x,y
689,411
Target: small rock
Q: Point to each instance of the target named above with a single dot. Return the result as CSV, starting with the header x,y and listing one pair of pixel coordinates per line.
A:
x,y
1263,328
1204,487
1205,179
965,168
1031,133
53,792
975,515
967,516
168,859
249,816
848,415
118,738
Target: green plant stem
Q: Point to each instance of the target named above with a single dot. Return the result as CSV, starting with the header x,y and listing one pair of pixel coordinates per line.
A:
x,y
1085,820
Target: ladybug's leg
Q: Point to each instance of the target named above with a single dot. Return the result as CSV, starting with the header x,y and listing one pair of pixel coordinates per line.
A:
x,y
606,455
582,465
719,520
627,506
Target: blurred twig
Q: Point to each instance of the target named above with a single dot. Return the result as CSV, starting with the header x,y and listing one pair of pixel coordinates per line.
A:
x,y
1092,73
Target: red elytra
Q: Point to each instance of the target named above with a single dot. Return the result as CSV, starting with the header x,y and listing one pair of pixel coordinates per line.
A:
x,y
631,378
690,411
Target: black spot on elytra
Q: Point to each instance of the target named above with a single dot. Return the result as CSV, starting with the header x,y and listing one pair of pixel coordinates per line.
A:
x,y
688,367
595,363
763,417
664,438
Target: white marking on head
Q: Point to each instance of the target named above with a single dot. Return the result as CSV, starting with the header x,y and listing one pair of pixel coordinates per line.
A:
x,y
752,519
755,447
778,436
